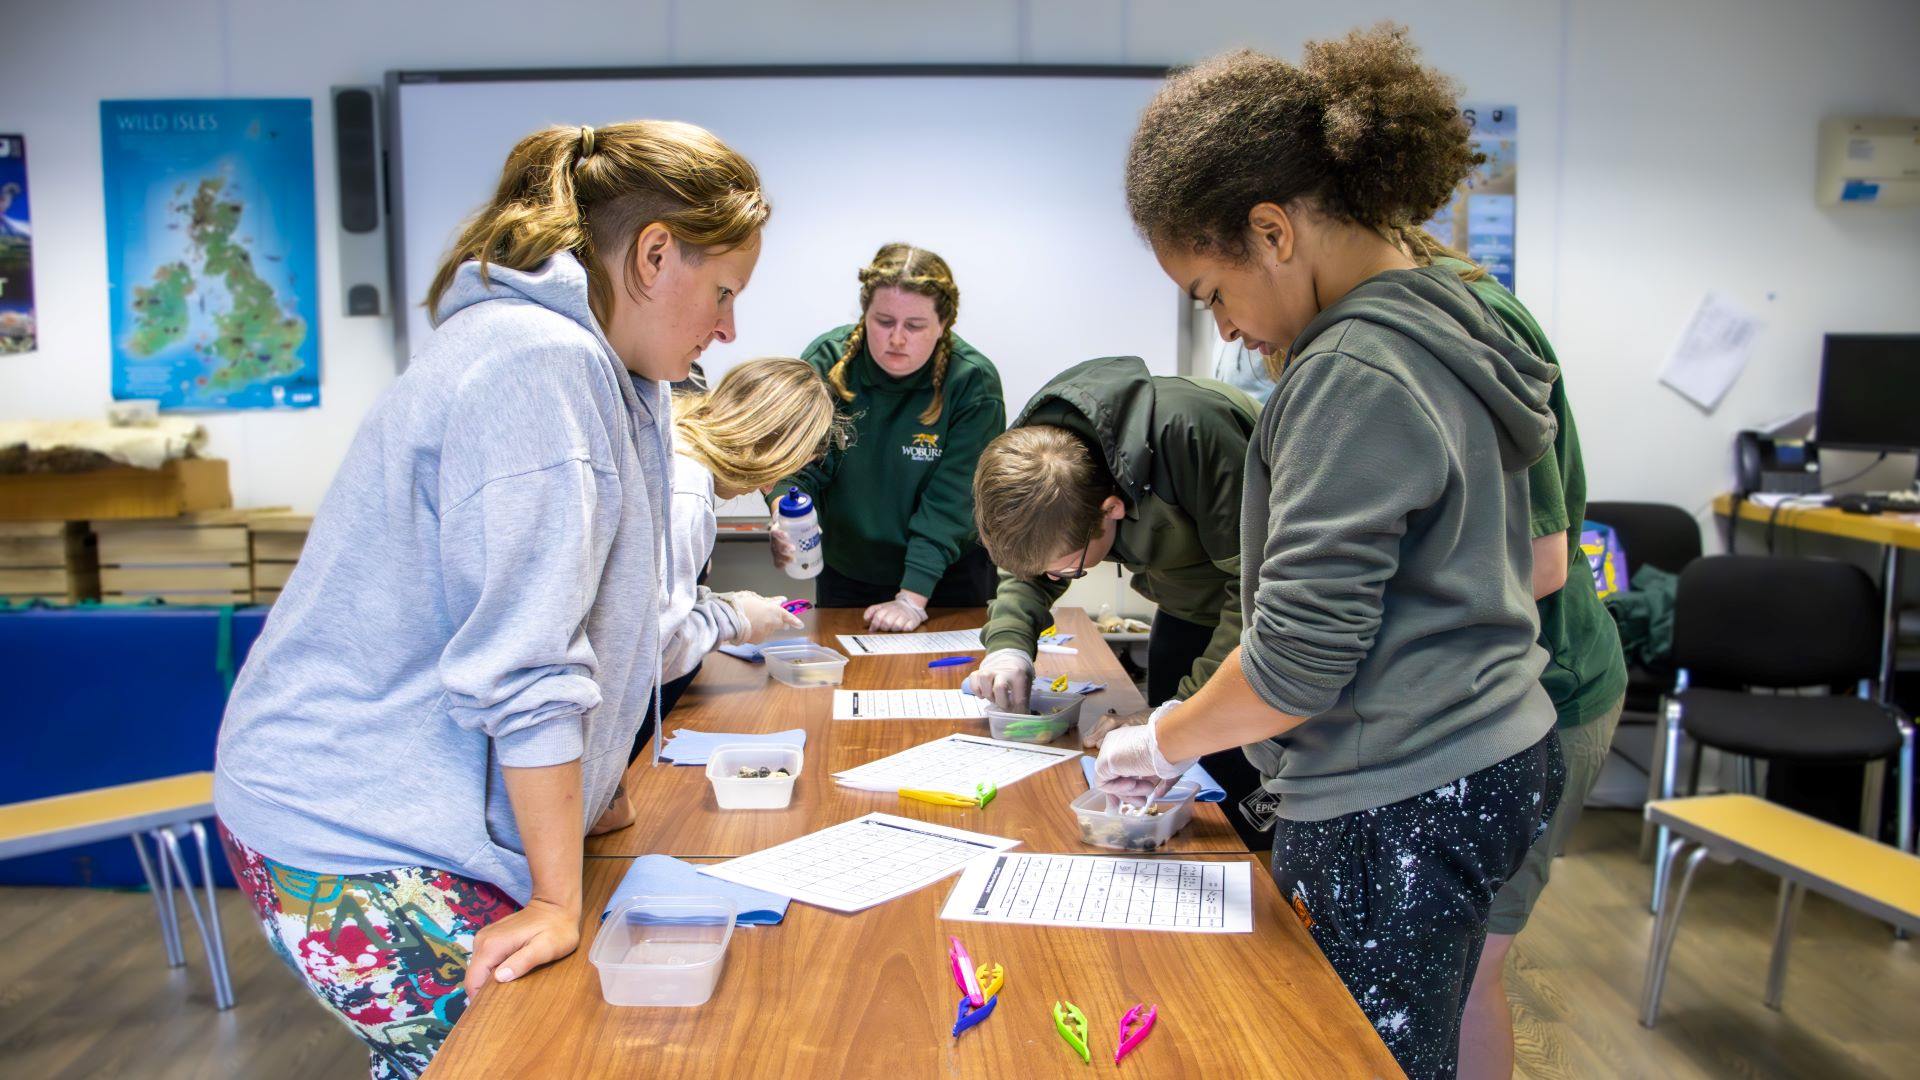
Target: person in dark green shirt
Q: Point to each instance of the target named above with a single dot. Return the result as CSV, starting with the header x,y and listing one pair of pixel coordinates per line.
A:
x,y
896,505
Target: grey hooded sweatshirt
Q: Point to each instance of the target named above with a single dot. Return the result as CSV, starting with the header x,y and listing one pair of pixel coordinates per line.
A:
x,y
1387,563
480,588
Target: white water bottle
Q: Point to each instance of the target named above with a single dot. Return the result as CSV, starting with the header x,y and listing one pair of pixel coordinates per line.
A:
x,y
797,520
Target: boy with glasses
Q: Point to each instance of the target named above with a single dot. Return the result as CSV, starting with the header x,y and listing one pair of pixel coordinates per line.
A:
x,y
1109,463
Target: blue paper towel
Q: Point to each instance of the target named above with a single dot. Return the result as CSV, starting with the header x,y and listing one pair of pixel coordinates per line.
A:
x,y
664,875
688,747
1210,789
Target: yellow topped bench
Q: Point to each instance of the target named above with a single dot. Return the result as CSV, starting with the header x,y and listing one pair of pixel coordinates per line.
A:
x,y
1808,855
161,810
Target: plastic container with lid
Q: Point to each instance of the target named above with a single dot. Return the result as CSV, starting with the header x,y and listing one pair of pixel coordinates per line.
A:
x,y
764,793
663,950
1135,832
805,664
1053,715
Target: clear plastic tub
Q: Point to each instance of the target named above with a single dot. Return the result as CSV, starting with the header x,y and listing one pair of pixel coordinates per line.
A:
x,y
1135,832
663,950
1053,715
806,664
769,793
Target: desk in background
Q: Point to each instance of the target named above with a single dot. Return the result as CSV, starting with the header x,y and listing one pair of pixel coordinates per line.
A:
x,y
104,696
1893,533
677,814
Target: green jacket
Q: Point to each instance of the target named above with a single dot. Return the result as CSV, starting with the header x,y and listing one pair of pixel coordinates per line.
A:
x,y
896,505
1177,448
1586,675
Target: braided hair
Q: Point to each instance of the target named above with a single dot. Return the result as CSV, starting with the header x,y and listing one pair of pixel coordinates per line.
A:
x,y
918,271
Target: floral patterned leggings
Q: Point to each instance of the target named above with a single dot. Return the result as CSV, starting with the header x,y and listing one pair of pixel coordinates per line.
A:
x,y
385,952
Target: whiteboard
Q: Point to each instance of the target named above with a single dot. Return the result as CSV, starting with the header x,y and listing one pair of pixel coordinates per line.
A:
x,y
1016,179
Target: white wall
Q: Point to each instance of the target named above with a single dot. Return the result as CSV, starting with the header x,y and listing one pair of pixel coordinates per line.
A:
x,y
1666,148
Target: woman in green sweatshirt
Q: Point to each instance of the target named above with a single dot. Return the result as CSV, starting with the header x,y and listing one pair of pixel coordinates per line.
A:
x,y
896,505
1388,677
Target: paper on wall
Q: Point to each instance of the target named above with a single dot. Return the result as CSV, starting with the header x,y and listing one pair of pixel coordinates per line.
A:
x,y
1712,351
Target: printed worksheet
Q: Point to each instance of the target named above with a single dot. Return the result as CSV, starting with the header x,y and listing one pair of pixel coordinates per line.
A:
x,y
857,864
1096,891
899,644
906,705
956,763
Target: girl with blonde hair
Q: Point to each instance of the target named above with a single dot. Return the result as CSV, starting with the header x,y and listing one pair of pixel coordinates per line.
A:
x,y
441,704
896,506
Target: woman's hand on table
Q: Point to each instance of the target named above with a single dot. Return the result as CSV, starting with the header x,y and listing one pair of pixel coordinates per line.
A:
x,y
537,934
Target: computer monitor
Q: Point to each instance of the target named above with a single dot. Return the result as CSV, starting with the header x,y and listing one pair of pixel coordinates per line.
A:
x,y
1870,393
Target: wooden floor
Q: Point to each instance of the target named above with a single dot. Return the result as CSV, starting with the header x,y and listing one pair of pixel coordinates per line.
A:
x,y
84,991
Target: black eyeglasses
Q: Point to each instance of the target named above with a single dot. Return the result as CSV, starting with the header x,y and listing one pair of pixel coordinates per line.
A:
x,y
1079,571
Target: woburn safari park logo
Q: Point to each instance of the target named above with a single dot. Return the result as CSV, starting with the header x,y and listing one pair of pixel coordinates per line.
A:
x,y
925,446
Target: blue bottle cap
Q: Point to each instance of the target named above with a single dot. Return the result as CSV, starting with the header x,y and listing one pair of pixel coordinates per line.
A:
x,y
795,503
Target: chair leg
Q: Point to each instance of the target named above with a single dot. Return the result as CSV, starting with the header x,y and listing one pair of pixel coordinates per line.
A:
x,y
1669,766
1647,847
1905,795
1666,928
171,849
1873,789
176,952
1693,770
217,952
1791,894
162,902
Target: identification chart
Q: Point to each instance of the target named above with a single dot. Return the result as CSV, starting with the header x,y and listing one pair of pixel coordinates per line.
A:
x,y
1107,893
901,644
857,864
906,705
956,763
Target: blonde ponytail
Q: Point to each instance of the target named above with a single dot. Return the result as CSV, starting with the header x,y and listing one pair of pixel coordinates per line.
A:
x,y
586,191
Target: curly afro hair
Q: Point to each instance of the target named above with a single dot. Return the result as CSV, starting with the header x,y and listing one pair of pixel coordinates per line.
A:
x,y
1361,129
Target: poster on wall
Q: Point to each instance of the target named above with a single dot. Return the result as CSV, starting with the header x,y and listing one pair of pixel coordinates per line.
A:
x,y
1479,218
210,252
18,331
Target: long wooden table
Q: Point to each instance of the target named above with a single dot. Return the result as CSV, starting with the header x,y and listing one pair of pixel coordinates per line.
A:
x,y
1894,533
869,995
831,995
677,814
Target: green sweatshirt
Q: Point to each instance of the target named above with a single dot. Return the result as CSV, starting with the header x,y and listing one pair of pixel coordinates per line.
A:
x,y
1587,672
896,506
1388,582
1177,448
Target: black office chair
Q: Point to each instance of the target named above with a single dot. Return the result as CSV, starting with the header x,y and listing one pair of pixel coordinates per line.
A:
x,y
1659,535
1744,623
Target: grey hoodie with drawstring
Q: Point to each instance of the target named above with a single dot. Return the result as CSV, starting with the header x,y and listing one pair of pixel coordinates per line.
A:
x,y
1386,559
480,589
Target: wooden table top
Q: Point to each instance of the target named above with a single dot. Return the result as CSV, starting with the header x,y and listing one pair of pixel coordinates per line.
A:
x,y
831,995
1893,530
677,815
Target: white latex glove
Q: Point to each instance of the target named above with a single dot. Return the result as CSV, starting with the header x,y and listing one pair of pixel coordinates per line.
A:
x,y
1092,733
1005,678
1131,765
763,615
784,548
902,613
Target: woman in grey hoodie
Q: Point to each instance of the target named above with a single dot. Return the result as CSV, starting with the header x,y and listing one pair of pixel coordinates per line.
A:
x,y
1387,679
441,703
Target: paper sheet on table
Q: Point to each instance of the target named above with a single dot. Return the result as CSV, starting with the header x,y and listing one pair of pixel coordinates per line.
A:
x,y
690,747
857,864
900,644
1712,351
956,763
1106,893
663,875
906,705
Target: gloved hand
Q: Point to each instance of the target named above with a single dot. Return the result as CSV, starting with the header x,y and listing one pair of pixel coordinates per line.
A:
x,y
906,611
1131,765
763,615
1092,732
784,549
1005,678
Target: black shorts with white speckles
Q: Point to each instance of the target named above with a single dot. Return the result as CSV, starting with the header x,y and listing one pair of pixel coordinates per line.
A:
x,y
1397,897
